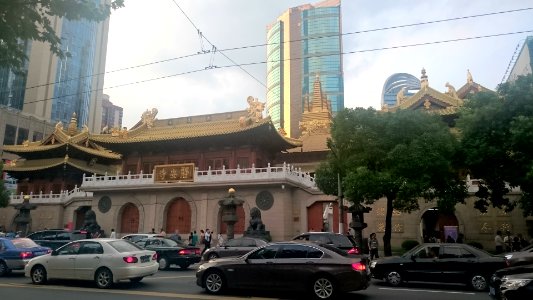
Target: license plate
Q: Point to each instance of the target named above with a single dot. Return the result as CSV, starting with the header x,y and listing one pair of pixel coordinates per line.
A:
x,y
145,258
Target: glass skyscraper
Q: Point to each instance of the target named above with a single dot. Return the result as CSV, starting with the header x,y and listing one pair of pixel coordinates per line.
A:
x,y
303,43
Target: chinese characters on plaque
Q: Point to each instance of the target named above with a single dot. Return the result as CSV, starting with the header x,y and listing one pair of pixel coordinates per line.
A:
x,y
173,173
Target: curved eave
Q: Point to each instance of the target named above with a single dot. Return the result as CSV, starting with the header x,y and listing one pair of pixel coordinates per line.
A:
x,y
32,147
428,91
101,153
46,164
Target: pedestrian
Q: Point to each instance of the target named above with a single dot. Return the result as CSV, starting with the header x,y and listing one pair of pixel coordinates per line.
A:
x,y
202,235
113,234
194,238
207,240
220,240
153,231
508,241
162,232
449,239
515,245
190,239
373,246
176,235
498,242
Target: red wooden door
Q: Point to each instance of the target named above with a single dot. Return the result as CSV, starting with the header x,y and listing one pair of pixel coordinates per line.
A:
x,y
179,217
130,219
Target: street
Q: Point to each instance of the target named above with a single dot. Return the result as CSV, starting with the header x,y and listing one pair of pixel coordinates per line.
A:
x,y
181,284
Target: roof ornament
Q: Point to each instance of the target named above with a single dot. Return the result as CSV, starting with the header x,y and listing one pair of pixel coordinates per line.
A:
x,y
255,111
424,83
59,126
451,90
73,125
400,96
148,117
469,78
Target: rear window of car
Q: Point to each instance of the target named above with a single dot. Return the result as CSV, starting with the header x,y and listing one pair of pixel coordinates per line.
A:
x,y
124,246
341,240
24,243
335,249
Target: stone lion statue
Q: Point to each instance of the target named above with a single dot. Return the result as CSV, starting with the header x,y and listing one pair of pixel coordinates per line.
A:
x,y
256,224
90,224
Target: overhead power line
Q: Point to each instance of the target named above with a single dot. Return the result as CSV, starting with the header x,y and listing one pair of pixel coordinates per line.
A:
x,y
268,44
289,59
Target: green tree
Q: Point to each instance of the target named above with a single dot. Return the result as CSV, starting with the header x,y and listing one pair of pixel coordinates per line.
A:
x,y
4,194
22,20
496,133
400,156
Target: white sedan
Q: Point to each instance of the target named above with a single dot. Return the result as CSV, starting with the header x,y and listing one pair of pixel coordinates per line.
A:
x,y
106,261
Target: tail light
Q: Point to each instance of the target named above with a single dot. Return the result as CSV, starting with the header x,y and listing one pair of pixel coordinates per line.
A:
x,y
26,254
359,266
188,251
130,259
354,250
154,257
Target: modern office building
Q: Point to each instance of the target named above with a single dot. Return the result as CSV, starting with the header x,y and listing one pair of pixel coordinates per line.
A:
x,y
55,88
523,61
111,114
394,84
303,43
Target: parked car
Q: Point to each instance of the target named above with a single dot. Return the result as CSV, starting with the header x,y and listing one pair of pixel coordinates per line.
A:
x,y
233,247
15,253
446,263
170,252
341,241
512,283
135,237
322,271
55,238
522,257
106,261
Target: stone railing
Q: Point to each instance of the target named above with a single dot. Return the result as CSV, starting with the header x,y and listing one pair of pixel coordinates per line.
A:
x,y
285,172
62,197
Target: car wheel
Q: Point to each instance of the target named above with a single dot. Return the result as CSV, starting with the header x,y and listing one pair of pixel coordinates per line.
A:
x,y
394,278
163,263
323,288
478,282
136,279
212,256
38,275
214,282
184,266
3,269
103,278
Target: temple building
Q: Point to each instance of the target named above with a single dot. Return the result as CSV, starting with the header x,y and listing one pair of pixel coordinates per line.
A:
x,y
171,174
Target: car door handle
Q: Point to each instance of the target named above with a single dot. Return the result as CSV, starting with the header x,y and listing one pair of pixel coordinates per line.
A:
x,y
96,257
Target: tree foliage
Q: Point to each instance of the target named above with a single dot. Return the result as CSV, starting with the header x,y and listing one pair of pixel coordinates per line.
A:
x,y
401,156
4,194
497,144
22,20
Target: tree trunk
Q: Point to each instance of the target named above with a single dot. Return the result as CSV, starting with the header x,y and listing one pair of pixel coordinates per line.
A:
x,y
388,228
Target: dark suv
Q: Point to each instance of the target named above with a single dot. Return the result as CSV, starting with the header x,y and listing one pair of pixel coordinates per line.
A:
x,y
343,242
55,238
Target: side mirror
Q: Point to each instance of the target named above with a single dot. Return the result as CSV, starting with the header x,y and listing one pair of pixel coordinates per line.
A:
x,y
413,257
54,253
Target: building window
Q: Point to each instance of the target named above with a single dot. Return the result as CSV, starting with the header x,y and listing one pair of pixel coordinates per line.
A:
x,y
37,136
9,135
243,162
216,163
22,135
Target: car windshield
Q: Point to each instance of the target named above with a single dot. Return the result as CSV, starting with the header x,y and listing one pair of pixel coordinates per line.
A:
x,y
24,243
124,246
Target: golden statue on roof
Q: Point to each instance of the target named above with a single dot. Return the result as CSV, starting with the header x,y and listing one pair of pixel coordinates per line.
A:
x,y
400,96
148,117
469,78
451,90
255,109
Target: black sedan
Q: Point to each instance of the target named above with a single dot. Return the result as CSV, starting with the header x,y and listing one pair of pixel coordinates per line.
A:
x,y
446,263
15,253
233,247
321,271
170,252
512,283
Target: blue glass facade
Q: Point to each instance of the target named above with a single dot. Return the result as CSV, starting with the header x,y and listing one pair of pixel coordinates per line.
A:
x,y
12,85
395,83
275,74
79,39
321,53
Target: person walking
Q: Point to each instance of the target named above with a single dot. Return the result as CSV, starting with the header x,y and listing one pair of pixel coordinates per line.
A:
x,y
176,236
113,234
498,242
207,240
373,246
508,241
194,240
220,240
162,233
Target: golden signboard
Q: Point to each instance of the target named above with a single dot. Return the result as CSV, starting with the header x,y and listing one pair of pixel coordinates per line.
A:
x,y
174,173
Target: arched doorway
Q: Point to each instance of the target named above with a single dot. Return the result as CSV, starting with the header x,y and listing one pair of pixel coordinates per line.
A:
x,y
435,224
178,216
238,228
130,219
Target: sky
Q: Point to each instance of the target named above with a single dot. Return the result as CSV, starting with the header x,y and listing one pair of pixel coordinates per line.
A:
x,y
185,84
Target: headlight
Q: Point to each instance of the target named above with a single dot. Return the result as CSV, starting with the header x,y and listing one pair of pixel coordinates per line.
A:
x,y
508,256
514,283
373,263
